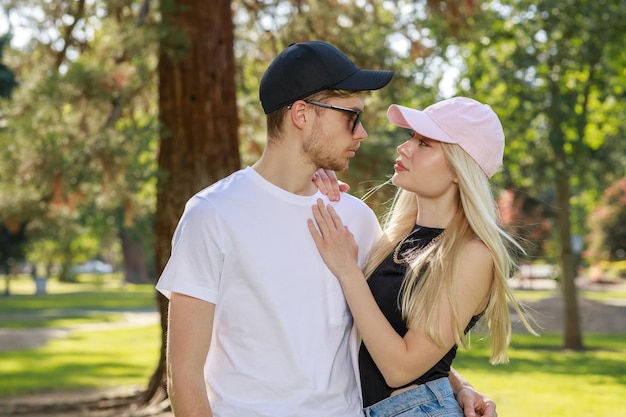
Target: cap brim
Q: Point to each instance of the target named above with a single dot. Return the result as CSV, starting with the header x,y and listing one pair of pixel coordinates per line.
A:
x,y
419,121
364,80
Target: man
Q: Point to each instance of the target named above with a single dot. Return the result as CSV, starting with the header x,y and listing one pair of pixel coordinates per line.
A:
x,y
258,326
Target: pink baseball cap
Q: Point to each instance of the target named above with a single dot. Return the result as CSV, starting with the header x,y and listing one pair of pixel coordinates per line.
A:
x,y
473,126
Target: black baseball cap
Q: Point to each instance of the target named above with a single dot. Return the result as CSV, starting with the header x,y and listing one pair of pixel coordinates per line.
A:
x,y
306,68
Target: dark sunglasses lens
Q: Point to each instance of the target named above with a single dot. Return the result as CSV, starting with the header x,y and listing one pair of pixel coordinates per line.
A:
x,y
356,122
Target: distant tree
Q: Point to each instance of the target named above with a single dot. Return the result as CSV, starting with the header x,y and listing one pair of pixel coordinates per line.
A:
x,y
12,239
528,219
607,222
11,234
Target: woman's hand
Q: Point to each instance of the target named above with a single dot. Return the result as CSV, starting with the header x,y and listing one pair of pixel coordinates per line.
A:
x,y
475,403
334,241
329,185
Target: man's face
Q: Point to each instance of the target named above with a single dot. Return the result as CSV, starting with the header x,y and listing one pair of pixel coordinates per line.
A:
x,y
332,142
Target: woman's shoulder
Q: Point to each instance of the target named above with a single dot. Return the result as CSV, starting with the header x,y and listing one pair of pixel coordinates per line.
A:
x,y
476,255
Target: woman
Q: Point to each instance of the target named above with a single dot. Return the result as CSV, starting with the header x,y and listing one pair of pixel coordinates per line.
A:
x,y
441,265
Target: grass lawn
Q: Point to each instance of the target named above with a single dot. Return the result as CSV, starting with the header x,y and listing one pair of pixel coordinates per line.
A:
x,y
543,380
85,359
94,300
103,357
540,380
536,295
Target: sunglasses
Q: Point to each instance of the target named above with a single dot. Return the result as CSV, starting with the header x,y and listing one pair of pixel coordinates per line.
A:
x,y
357,113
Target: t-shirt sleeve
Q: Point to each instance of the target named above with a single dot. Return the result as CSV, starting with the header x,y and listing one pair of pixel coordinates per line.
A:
x,y
195,264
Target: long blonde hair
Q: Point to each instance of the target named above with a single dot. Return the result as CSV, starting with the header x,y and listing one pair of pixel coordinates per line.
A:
x,y
434,271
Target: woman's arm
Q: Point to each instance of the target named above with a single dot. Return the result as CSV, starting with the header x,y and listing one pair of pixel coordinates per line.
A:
x,y
400,359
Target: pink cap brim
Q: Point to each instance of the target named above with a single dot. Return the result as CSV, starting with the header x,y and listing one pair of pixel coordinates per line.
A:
x,y
419,121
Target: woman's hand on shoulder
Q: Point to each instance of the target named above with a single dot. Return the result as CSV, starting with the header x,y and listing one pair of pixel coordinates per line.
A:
x,y
328,184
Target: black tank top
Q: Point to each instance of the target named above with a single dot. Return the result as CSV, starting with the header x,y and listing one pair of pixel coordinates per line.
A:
x,y
385,283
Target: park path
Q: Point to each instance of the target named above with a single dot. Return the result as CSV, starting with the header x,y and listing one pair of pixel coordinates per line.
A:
x,y
607,316
28,338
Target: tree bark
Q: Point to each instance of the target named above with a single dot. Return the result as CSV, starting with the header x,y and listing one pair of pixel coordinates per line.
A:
x,y
572,337
198,113
135,267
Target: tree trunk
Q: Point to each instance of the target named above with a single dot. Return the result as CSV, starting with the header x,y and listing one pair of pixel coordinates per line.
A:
x,y
572,336
135,267
198,113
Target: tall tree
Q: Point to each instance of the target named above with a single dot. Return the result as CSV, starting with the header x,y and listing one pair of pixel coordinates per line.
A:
x,y
554,74
198,113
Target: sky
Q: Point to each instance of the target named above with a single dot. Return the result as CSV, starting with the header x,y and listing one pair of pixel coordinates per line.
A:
x,y
21,35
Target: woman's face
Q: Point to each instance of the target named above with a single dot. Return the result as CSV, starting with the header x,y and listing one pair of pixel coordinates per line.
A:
x,y
422,167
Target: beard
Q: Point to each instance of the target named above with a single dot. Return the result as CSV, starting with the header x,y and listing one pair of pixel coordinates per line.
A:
x,y
321,156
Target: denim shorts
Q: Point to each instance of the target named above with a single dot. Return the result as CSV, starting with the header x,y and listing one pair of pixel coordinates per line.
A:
x,y
432,399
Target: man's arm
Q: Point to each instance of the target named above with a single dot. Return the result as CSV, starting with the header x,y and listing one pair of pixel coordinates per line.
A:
x,y
188,340
471,401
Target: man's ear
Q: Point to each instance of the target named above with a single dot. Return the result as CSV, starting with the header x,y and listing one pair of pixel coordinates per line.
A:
x,y
297,111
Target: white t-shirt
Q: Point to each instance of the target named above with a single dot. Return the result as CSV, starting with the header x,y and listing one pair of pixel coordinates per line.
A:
x,y
283,343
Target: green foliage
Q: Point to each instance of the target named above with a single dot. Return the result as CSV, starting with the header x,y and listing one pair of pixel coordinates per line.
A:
x,y
79,153
552,73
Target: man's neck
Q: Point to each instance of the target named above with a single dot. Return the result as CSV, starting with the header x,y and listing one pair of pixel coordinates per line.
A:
x,y
284,171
